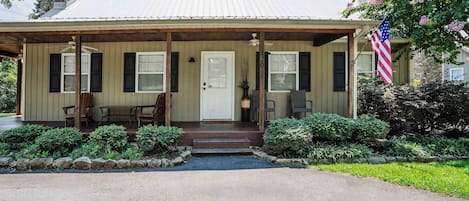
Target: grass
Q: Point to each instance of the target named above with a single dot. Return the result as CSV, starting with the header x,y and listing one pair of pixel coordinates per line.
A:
x,y
447,178
7,114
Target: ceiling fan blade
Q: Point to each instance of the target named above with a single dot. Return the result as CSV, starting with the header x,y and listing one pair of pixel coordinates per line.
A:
x,y
89,48
84,50
66,49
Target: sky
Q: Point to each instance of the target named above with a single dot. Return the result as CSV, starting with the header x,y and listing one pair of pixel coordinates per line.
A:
x,y
19,11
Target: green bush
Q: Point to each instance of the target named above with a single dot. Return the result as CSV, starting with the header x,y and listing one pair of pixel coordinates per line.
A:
x,y
330,127
111,137
405,149
157,139
59,141
334,153
287,137
439,146
5,150
30,152
90,149
368,129
22,136
132,153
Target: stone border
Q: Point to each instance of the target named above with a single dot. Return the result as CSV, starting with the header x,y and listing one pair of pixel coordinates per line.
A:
x,y
85,163
375,159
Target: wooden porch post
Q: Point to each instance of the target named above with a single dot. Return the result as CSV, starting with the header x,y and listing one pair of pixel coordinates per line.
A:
x,y
77,81
351,74
19,78
168,80
261,81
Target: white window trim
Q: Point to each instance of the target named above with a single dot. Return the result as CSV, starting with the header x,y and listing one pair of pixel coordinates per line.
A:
x,y
451,74
297,73
373,64
62,73
137,72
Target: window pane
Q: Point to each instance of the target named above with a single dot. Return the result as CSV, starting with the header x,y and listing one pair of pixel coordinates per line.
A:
x,y
69,64
217,72
150,82
283,82
283,63
457,74
69,83
365,63
150,63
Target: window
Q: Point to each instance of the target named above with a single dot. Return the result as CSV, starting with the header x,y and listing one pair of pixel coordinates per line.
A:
x,y
150,72
68,72
366,65
456,74
283,71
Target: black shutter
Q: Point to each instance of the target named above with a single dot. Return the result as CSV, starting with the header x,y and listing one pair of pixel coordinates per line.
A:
x,y
305,71
266,61
54,72
96,72
174,71
129,72
339,71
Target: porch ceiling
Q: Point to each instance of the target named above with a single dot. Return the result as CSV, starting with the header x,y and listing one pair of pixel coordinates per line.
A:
x,y
12,44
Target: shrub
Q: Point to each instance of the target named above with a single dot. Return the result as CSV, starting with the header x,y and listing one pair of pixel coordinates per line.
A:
x,y
157,139
111,137
90,149
368,129
22,136
439,146
30,152
132,153
405,149
59,141
5,150
334,153
287,137
330,127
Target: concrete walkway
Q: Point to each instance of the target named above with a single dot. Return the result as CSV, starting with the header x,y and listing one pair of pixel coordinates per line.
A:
x,y
253,184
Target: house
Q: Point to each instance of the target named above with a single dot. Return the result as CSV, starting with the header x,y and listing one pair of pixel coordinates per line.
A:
x,y
196,52
454,72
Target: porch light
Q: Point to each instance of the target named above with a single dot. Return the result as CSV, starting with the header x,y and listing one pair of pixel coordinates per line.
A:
x,y
245,102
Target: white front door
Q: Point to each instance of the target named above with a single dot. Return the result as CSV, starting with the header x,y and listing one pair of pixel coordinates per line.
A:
x,y
217,86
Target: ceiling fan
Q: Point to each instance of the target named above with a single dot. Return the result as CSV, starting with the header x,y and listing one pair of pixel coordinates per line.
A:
x,y
72,44
255,42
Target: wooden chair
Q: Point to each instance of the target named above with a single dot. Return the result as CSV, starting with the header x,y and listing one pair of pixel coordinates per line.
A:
x,y
156,116
86,101
267,107
298,102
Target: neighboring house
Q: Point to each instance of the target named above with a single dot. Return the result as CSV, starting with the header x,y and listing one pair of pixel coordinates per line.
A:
x,y
453,72
206,44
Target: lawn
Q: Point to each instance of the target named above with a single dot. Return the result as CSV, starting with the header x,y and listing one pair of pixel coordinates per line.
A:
x,y
7,114
447,178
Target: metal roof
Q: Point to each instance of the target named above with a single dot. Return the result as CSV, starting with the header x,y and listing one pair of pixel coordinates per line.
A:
x,y
84,10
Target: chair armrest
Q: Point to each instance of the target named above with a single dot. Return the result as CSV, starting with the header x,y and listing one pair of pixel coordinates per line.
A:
x,y
310,103
67,108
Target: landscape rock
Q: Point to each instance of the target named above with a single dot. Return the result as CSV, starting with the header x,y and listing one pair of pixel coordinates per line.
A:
x,y
186,155
154,163
123,163
63,163
264,156
165,163
390,159
12,165
82,163
448,157
376,160
23,164
138,163
426,159
97,164
362,160
5,161
401,159
41,163
177,161
109,164
294,161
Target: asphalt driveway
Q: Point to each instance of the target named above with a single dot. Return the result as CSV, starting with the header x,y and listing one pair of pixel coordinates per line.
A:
x,y
249,184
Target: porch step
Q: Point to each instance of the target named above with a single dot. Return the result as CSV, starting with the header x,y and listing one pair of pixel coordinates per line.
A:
x,y
220,143
227,151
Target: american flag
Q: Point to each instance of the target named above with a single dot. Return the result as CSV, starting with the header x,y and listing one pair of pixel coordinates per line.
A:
x,y
381,44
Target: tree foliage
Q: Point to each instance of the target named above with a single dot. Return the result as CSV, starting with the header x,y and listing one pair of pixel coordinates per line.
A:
x,y
41,7
7,85
431,25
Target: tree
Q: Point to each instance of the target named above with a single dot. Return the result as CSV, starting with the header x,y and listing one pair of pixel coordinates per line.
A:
x,y
7,84
6,3
436,27
41,7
